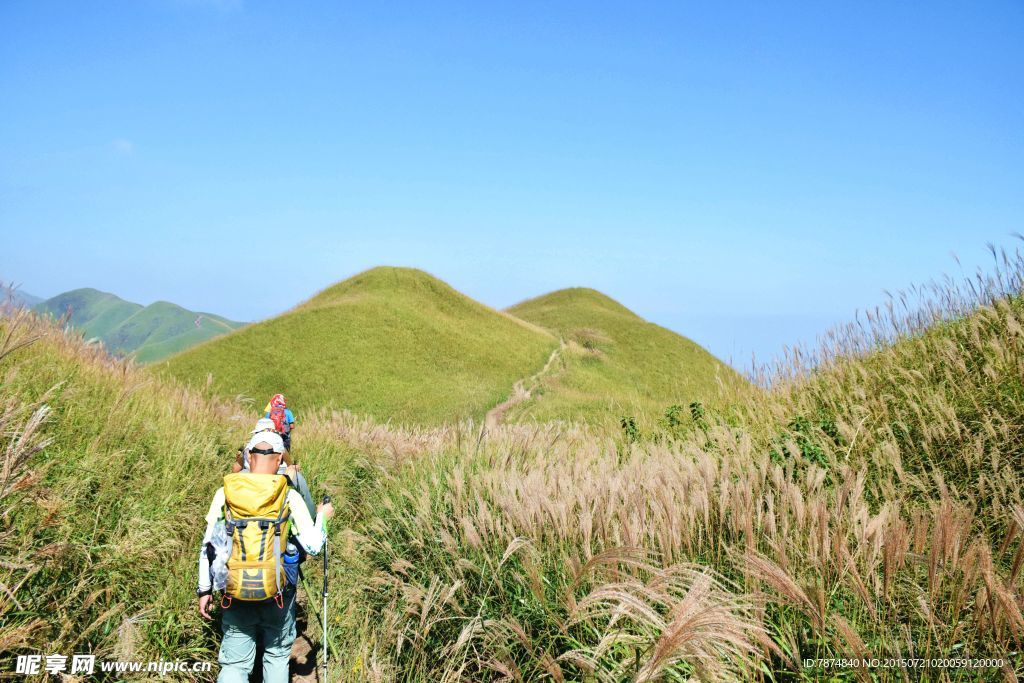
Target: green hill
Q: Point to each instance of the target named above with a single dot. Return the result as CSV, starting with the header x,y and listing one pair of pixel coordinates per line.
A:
x,y
148,333
394,343
615,362
870,504
397,343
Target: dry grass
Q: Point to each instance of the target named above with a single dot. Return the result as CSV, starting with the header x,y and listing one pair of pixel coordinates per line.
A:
x,y
871,506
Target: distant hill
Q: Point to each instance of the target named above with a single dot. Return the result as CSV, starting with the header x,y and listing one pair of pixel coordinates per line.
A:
x,y
147,333
394,343
17,296
615,363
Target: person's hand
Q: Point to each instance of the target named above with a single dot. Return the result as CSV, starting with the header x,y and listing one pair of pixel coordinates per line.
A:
x,y
204,606
327,510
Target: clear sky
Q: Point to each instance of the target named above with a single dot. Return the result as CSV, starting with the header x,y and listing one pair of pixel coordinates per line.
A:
x,y
743,173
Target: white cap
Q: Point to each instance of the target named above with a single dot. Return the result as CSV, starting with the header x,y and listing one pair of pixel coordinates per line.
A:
x,y
264,424
273,439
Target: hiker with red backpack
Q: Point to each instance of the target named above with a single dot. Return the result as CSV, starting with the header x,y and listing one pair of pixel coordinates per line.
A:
x,y
282,417
255,527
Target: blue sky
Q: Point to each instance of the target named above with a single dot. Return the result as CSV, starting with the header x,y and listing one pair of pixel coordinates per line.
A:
x,y
744,173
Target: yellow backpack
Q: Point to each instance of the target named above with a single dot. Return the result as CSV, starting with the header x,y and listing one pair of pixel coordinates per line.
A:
x,y
258,519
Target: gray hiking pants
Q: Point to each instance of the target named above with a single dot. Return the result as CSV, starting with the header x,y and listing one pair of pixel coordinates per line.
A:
x,y
243,625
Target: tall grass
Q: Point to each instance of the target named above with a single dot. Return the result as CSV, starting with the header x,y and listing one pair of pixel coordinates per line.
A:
x,y
107,475
869,505
96,524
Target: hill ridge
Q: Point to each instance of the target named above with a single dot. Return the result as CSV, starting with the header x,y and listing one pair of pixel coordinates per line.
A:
x,y
394,343
146,333
409,278
616,363
399,343
576,296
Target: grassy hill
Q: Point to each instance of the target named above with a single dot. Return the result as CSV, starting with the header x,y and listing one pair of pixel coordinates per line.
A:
x,y
614,362
394,343
147,333
870,506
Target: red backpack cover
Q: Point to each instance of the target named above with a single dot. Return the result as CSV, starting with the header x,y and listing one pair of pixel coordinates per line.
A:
x,y
277,414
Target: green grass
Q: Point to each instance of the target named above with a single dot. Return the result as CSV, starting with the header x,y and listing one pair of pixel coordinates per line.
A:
x,y
398,344
100,532
147,333
868,507
393,343
106,514
615,363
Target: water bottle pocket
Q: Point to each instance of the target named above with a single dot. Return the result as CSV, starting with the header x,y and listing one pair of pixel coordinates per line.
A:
x,y
291,565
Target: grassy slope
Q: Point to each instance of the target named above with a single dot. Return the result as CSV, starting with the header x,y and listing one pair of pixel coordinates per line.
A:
x,y
615,363
871,508
162,329
102,518
394,343
149,333
101,530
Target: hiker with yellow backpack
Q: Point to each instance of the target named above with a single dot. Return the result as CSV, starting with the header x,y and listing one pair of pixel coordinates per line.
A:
x,y
289,468
250,550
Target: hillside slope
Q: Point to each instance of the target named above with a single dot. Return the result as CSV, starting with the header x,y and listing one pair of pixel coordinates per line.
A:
x,y
107,474
148,333
394,343
869,506
83,513
615,363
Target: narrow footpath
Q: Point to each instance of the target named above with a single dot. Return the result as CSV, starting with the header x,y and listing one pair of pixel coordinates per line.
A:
x,y
522,390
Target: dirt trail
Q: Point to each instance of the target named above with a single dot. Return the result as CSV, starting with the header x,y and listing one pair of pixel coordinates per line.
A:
x,y
305,664
520,392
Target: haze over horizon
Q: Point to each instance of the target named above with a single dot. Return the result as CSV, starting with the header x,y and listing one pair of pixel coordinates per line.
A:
x,y
744,175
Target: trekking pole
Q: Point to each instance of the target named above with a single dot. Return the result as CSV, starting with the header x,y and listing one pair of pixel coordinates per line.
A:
x,y
323,613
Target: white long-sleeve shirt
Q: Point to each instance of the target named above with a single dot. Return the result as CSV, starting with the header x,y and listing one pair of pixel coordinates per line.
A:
x,y
309,534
